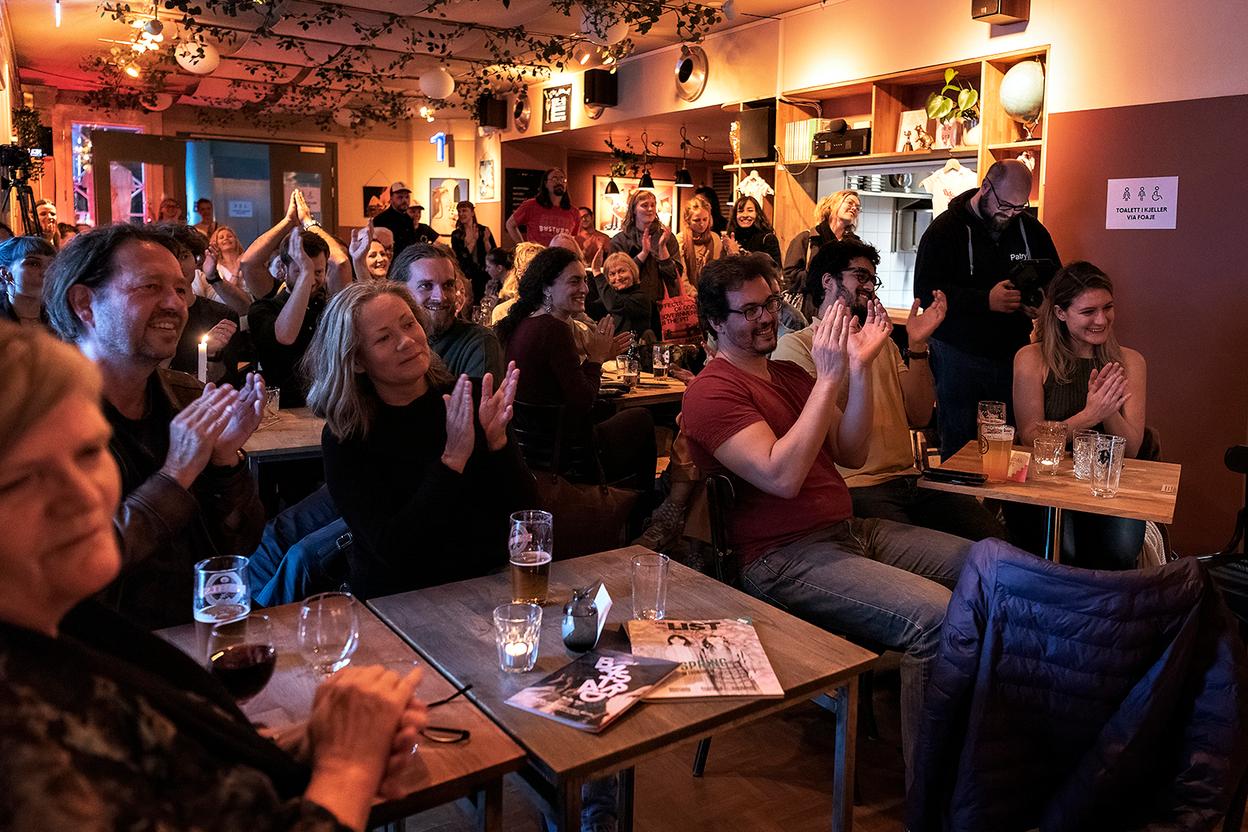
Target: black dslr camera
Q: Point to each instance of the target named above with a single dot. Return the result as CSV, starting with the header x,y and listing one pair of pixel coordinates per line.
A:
x,y
1031,278
12,156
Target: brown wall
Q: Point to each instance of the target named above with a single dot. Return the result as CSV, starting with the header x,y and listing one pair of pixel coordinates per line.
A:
x,y
1180,294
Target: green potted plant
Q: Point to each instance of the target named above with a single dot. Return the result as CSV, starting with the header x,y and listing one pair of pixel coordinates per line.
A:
x,y
956,102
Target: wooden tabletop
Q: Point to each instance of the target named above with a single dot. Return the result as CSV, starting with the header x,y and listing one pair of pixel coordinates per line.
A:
x,y
443,772
1147,490
296,433
452,627
649,391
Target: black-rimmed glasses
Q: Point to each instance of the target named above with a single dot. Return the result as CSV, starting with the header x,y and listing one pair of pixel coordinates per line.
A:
x,y
863,276
754,311
1006,206
440,733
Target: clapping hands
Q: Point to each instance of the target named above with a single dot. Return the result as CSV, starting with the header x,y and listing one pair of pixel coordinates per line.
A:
x,y
495,411
921,325
1107,392
601,342
460,432
829,348
866,341
246,410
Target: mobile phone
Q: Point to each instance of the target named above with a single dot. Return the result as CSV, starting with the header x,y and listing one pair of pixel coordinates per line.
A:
x,y
955,477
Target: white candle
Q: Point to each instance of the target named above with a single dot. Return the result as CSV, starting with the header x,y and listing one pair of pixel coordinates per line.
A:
x,y
203,359
516,648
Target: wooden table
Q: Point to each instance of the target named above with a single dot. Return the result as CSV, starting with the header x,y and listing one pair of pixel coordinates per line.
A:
x,y
442,771
1147,491
649,391
296,434
452,627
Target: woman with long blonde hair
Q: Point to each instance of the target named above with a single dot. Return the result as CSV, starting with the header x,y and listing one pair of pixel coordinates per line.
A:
x,y
422,473
1077,373
836,218
521,257
650,243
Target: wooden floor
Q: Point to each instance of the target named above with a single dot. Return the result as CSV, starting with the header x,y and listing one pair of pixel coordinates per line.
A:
x,y
772,775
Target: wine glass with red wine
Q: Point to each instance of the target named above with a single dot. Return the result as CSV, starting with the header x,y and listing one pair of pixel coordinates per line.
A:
x,y
241,654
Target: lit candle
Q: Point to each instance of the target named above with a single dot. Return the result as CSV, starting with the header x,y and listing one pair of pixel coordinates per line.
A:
x,y
203,360
516,648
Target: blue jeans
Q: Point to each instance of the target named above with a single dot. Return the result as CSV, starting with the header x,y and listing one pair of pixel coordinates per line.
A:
x,y
901,500
963,380
873,581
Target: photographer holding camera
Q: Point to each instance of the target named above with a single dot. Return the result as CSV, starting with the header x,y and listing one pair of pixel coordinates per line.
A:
x,y
974,252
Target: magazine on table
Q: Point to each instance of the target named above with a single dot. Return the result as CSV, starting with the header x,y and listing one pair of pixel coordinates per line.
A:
x,y
718,657
591,692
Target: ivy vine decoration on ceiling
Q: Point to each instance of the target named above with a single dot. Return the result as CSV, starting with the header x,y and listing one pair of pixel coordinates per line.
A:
x,y
348,76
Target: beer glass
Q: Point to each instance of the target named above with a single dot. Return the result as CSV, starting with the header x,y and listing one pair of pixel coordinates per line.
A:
x,y
531,546
989,413
998,439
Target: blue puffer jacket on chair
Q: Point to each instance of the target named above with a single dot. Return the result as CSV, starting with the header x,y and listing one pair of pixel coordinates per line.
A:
x,y
1072,699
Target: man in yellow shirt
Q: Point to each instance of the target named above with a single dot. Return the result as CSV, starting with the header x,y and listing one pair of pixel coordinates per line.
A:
x,y
886,485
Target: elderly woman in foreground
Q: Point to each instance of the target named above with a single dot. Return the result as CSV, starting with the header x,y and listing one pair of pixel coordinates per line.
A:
x,y
105,726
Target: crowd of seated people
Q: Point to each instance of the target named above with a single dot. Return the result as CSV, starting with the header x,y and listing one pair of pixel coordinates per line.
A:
x,y
424,361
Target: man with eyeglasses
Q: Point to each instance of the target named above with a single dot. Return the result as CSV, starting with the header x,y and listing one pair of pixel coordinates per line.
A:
x,y
968,252
780,433
887,484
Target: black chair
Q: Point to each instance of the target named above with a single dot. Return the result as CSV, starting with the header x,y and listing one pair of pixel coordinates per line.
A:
x,y
1229,566
720,496
548,444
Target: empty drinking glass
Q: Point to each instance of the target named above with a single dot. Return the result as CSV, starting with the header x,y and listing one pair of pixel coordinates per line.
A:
x,y
1081,448
1048,453
649,576
329,631
1107,465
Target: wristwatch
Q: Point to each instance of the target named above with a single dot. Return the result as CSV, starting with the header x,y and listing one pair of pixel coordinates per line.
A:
x,y
922,356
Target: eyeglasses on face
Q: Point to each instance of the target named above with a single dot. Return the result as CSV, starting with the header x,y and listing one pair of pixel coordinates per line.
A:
x,y
865,277
753,311
1006,206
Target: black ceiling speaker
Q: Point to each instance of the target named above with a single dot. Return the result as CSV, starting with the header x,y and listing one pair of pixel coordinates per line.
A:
x,y
1001,11
602,89
492,112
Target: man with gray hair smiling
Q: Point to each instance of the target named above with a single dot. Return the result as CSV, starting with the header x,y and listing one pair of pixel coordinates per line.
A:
x,y
120,295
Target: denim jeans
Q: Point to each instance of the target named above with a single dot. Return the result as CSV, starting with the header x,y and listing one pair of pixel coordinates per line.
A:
x,y
963,380
874,581
901,500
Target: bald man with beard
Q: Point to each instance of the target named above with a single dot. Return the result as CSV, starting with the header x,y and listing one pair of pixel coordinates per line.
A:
x,y
969,252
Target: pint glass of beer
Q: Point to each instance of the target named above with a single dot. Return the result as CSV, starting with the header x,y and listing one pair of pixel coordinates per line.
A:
x,y
999,439
530,543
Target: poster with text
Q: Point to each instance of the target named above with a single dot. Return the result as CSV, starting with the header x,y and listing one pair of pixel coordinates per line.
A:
x,y
1147,204
443,195
611,209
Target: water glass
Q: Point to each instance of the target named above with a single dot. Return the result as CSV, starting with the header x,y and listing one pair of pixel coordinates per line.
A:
x,y
1081,449
1107,465
988,413
517,633
531,546
1048,453
1048,428
272,403
329,631
242,655
649,577
662,360
221,594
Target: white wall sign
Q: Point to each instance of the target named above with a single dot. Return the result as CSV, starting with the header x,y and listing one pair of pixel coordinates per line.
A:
x,y
1148,203
240,208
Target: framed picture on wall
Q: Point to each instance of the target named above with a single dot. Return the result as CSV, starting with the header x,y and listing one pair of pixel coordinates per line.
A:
x,y
376,198
610,209
444,193
487,188
913,131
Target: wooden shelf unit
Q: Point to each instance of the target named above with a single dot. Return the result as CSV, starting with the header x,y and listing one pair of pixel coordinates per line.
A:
x,y
881,101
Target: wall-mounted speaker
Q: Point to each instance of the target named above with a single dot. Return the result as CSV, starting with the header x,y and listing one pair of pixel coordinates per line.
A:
x,y
602,89
492,112
758,134
1001,11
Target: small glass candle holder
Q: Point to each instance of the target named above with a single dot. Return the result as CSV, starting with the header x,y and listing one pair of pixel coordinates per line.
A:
x,y
1048,453
517,631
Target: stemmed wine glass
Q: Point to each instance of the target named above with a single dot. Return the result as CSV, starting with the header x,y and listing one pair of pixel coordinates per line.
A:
x,y
242,655
329,631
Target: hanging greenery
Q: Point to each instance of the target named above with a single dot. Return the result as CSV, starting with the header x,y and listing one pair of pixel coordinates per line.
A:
x,y
349,76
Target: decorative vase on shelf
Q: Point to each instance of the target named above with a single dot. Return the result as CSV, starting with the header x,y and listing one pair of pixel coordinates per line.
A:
x,y
970,132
